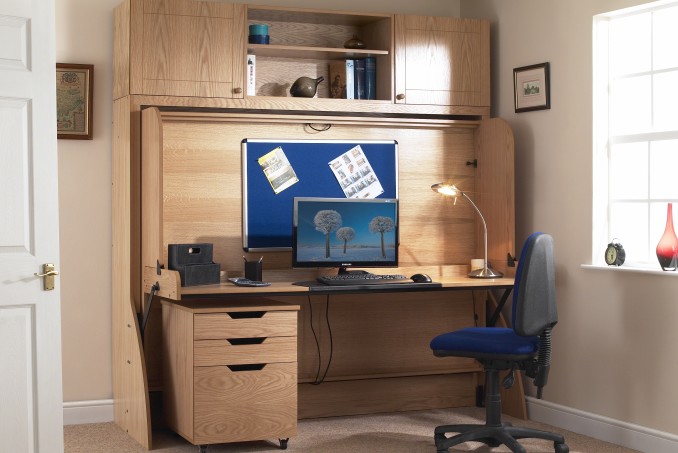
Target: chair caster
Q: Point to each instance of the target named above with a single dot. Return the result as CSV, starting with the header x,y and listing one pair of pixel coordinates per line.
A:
x,y
561,448
283,443
202,448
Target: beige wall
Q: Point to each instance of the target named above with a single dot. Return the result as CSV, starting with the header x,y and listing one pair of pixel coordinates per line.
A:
x,y
615,346
614,352
84,35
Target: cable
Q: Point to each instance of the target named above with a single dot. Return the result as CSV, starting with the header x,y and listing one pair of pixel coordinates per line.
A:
x,y
318,379
329,330
322,129
315,337
147,311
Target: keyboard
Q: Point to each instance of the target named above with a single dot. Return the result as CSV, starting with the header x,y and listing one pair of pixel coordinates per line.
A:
x,y
362,279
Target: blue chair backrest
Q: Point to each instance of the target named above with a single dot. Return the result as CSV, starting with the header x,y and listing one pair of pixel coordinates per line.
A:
x,y
534,291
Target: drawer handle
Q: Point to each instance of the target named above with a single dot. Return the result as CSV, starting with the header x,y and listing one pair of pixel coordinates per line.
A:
x,y
248,367
242,341
246,314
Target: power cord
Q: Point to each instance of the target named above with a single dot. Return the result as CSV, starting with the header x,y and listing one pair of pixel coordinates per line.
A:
x,y
318,379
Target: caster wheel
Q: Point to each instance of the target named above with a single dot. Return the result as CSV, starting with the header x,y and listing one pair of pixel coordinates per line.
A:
x,y
283,443
561,448
438,438
202,448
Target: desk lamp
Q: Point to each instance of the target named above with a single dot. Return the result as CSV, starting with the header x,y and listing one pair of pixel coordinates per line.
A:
x,y
450,190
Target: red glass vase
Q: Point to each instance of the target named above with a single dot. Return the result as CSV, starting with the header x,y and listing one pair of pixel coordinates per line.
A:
x,y
667,249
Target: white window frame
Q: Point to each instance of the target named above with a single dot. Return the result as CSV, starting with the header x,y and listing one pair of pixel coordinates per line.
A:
x,y
602,142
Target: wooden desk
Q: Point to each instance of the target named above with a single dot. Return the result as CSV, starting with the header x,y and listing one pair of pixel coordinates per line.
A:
x,y
186,187
182,343
170,287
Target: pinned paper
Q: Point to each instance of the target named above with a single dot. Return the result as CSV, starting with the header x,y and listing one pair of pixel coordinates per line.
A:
x,y
355,175
278,170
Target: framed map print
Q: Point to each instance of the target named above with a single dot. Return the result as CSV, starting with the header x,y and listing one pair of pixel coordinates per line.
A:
x,y
74,84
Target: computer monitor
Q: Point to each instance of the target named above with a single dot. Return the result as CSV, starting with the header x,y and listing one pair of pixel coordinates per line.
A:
x,y
345,232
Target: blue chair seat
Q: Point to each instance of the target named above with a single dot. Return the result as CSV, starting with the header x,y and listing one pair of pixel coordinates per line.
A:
x,y
485,342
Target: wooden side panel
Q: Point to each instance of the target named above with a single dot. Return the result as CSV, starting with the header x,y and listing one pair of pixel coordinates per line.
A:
x,y
177,351
485,70
121,47
136,48
370,396
495,188
151,193
130,388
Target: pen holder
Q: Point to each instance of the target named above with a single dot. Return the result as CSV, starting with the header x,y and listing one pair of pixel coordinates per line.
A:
x,y
253,270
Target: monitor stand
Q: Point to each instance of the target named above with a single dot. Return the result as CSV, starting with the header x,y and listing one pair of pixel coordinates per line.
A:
x,y
343,270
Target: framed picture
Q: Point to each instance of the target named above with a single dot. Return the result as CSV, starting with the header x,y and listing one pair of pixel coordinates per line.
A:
x,y
74,85
531,88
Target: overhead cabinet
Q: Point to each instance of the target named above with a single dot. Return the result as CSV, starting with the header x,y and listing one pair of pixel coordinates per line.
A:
x,y
200,49
179,48
442,61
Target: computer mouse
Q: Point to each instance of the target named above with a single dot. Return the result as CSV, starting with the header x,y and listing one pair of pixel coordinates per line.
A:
x,y
421,278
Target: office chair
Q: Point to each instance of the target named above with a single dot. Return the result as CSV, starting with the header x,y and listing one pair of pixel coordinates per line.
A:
x,y
527,346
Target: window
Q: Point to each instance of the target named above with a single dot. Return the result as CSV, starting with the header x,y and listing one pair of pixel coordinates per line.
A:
x,y
635,128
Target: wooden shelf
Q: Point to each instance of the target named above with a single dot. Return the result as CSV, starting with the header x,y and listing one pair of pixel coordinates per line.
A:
x,y
315,53
303,42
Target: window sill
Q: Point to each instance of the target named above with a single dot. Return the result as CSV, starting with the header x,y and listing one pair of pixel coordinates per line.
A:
x,y
623,268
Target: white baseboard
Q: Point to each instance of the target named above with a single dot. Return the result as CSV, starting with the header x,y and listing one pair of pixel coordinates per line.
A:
x,y
81,412
627,435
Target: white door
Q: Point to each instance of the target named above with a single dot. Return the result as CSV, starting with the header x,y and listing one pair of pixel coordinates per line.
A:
x,y
31,405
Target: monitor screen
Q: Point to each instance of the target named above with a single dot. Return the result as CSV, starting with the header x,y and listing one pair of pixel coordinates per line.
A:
x,y
345,232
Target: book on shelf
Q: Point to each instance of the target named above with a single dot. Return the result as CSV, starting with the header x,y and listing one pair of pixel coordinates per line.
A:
x,y
251,75
370,78
338,79
350,79
359,79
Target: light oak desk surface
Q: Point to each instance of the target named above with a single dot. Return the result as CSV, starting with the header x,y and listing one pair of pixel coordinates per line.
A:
x,y
288,288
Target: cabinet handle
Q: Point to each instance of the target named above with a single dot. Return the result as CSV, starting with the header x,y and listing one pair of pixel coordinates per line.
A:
x,y
246,314
400,96
248,367
237,90
243,341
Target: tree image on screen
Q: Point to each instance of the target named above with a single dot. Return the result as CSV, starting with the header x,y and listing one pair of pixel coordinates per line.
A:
x,y
327,221
345,234
381,225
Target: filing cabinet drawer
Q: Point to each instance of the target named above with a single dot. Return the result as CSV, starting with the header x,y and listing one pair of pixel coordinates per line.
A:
x,y
245,325
230,352
233,406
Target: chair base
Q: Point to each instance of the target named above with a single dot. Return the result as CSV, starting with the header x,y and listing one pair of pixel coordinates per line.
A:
x,y
493,436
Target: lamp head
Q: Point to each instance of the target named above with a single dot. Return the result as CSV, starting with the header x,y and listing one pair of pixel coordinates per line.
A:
x,y
449,190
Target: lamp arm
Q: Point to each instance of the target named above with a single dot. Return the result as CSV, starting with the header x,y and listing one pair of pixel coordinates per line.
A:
x,y
484,224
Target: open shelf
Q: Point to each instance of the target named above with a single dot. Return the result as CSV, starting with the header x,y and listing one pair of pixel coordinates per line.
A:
x,y
317,53
303,42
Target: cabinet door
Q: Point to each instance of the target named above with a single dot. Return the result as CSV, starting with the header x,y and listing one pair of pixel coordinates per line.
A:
x,y
442,61
190,49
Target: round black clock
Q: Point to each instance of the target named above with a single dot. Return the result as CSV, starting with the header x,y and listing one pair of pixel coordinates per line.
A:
x,y
615,254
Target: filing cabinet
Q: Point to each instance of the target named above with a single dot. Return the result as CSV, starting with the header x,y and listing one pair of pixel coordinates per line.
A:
x,y
230,370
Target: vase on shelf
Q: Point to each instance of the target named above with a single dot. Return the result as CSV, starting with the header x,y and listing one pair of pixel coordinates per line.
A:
x,y
305,87
667,249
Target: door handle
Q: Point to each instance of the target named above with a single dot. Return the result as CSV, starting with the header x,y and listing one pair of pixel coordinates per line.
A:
x,y
48,273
